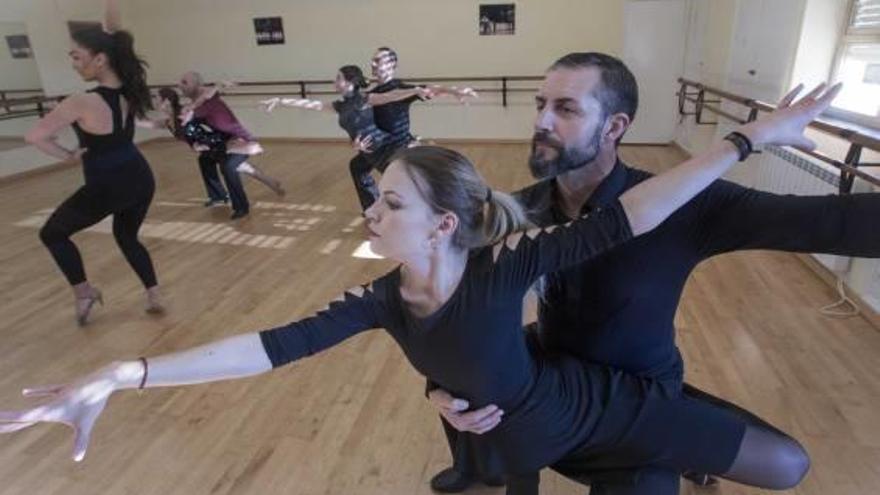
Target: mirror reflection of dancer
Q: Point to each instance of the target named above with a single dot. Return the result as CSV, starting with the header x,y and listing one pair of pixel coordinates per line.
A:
x,y
118,180
392,117
207,106
203,139
454,306
355,111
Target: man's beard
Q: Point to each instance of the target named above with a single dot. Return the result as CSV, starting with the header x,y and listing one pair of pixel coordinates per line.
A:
x,y
566,159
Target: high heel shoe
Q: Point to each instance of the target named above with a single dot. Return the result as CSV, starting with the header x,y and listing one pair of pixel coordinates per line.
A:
x,y
154,305
84,306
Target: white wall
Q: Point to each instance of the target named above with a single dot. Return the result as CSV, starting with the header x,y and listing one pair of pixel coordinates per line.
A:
x,y
14,10
16,73
47,24
654,49
709,32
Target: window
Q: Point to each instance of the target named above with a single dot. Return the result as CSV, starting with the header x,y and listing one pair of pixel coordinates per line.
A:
x,y
858,65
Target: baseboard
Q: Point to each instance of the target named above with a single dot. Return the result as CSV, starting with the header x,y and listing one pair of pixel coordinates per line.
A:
x,y
830,279
679,147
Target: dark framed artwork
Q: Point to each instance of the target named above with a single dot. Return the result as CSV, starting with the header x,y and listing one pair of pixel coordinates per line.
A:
x,y
496,19
270,30
19,46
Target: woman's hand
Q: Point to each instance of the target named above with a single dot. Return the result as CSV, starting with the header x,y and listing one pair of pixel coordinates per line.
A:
x,y
785,126
270,104
186,114
464,93
77,405
77,154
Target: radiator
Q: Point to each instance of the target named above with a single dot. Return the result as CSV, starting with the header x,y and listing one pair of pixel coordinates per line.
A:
x,y
784,171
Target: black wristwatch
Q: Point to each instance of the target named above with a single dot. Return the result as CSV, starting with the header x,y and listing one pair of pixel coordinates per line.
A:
x,y
743,144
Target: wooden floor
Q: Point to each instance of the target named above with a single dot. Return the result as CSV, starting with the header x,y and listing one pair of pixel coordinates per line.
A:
x,y
354,420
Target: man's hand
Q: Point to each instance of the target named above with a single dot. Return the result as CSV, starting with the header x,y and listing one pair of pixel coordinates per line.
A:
x,y
363,144
452,409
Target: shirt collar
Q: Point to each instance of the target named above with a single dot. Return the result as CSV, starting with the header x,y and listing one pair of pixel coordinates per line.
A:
x,y
611,187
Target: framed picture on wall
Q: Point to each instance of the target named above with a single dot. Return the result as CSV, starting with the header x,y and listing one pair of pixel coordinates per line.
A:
x,y
497,19
270,30
19,46
74,26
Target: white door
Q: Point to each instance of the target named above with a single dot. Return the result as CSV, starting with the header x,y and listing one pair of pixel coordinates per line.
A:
x,y
653,48
763,48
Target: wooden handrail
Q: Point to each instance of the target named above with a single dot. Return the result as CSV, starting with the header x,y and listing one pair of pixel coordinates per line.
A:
x,y
38,90
302,86
854,136
298,86
859,138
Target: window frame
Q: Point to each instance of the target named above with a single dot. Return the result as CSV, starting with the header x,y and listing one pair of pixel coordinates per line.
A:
x,y
851,36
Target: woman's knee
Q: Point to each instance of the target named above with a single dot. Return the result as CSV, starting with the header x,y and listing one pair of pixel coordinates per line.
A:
x,y
126,240
51,234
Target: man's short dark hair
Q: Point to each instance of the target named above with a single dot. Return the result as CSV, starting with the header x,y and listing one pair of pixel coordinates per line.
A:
x,y
392,55
618,91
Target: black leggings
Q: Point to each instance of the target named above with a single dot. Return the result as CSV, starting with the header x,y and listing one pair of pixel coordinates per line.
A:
x,y
228,163
125,196
367,192
767,458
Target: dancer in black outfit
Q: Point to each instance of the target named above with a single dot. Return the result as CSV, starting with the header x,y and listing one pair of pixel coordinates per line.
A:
x,y
355,111
118,180
454,308
392,118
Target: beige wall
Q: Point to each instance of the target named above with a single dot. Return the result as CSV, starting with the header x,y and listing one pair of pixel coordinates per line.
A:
x,y
432,38
217,38
47,24
16,73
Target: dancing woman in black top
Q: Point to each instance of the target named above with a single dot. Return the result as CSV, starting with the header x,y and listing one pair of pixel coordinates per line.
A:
x,y
355,111
203,139
118,180
454,308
